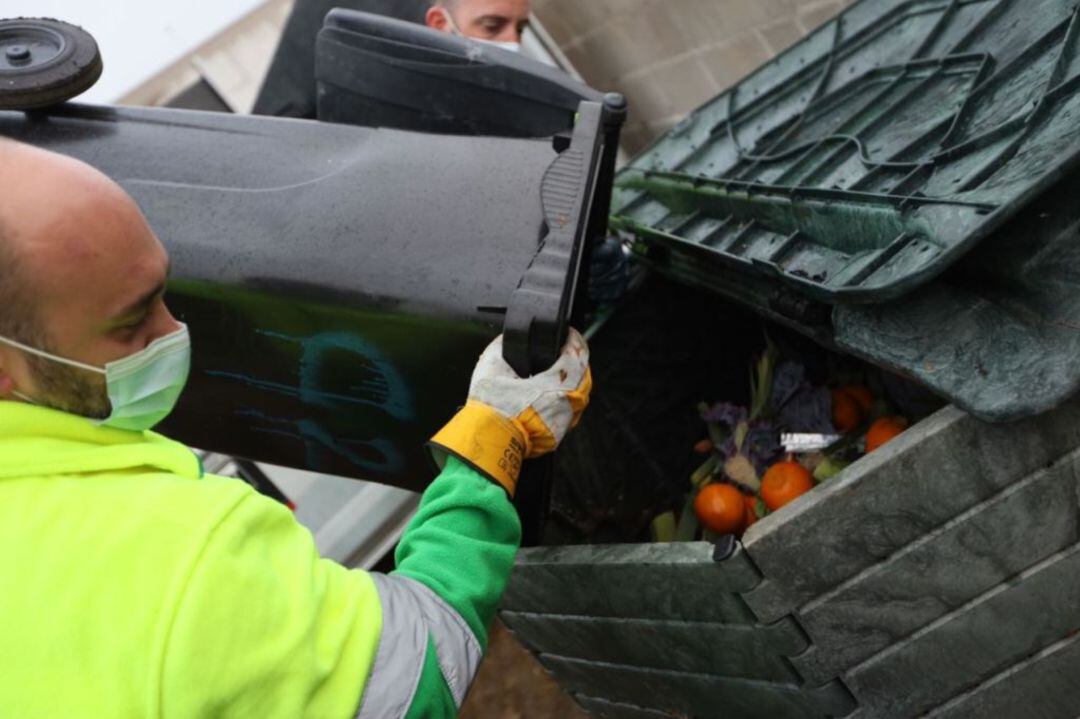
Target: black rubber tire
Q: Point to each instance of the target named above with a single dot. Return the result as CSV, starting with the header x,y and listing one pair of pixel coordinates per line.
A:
x,y
72,67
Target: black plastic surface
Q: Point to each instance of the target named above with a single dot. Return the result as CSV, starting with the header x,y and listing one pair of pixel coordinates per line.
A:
x,y
340,282
537,317
381,72
289,87
575,195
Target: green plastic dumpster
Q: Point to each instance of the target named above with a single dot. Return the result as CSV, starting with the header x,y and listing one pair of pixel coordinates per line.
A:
x,y
898,188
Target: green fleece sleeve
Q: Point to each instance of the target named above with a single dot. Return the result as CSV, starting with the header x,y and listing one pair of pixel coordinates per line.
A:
x,y
461,544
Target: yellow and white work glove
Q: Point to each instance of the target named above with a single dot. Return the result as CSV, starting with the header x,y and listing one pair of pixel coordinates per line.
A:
x,y
508,419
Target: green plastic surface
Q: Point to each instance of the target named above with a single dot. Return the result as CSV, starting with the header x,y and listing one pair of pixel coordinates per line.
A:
x,y
873,154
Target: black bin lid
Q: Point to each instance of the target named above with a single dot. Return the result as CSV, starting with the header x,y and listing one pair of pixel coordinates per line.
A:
x,y
289,87
383,72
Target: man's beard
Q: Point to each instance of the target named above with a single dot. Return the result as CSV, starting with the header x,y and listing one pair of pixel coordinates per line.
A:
x,y
70,389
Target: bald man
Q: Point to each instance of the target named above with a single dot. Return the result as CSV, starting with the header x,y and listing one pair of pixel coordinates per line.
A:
x,y
500,22
132,584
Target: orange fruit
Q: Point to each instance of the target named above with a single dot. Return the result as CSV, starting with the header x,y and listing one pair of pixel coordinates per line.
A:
x,y
884,430
862,396
783,482
720,508
847,415
704,446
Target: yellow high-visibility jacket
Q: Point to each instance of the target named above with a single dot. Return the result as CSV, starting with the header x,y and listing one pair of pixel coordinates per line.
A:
x,y
131,586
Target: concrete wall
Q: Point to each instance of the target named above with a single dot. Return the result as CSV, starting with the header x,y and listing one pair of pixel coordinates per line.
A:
x,y
137,38
670,56
233,61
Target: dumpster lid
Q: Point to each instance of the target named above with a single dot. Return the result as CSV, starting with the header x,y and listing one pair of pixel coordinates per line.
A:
x,y
870,156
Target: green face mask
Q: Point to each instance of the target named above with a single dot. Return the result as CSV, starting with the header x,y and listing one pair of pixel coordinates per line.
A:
x,y
143,388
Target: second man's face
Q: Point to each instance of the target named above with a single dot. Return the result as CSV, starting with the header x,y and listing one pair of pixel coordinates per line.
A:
x,y
497,20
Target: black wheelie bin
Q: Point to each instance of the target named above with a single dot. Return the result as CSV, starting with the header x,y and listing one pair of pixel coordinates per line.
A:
x,y
340,280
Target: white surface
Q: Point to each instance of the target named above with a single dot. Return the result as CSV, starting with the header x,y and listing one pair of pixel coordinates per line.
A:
x,y
137,38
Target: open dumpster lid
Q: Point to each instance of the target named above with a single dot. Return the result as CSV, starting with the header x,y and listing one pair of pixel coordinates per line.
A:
x,y
867,160
872,155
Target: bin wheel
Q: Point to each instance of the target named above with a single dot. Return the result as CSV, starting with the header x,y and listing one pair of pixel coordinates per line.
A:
x,y
44,62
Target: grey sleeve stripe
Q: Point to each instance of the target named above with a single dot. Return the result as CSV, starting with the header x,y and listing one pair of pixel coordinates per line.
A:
x,y
399,660
456,647
411,613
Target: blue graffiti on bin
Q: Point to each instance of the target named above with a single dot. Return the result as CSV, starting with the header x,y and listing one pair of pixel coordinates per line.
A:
x,y
383,389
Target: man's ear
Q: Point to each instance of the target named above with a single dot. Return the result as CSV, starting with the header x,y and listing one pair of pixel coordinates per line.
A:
x,y
7,384
436,19
7,379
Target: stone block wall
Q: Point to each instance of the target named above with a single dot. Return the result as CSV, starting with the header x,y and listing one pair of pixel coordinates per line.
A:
x,y
670,56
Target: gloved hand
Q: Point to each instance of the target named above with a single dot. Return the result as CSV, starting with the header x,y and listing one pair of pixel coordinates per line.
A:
x,y
508,419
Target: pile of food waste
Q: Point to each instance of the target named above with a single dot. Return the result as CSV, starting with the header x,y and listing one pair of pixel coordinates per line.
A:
x,y
794,435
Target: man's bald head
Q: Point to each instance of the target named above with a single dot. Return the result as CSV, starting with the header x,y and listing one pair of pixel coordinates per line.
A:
x,y
39,188
81,277
16,311
47,198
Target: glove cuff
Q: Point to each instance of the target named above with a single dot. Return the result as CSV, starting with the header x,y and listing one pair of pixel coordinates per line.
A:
x,y
487,441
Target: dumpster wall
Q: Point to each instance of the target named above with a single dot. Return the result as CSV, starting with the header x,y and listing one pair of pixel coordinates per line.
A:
x,y
660,630
939,575
670,57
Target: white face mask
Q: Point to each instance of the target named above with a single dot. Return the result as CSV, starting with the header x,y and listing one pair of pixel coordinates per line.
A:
x,y
502,44
505,45
144,387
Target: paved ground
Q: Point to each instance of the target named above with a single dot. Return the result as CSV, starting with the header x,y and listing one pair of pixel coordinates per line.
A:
x,y
512,685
